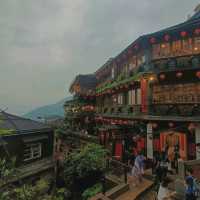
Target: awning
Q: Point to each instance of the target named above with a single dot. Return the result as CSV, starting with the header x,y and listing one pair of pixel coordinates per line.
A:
x,y
34,138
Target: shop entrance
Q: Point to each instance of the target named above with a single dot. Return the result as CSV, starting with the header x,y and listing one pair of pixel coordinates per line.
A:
x,y
174,144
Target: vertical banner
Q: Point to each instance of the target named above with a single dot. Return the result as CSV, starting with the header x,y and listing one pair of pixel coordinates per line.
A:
x,y
144,85
197,138
118,150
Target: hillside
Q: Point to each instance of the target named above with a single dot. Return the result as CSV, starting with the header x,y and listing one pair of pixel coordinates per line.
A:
x,y
48,110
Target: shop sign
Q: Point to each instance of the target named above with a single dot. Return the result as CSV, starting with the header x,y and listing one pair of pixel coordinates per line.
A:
x,y
176,94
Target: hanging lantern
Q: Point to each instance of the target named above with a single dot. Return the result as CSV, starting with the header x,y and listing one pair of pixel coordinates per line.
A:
x,y
183,33
197,31
154,125
162,76
198,74
167,38
179,74
191,127
152,40
171,124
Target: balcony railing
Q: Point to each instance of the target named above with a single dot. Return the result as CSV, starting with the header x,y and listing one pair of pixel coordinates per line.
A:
x,y
175,110
120,110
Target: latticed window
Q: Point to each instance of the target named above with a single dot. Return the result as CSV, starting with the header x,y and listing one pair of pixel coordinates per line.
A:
x,y
32,151
120,99
196,44
187,46
131,98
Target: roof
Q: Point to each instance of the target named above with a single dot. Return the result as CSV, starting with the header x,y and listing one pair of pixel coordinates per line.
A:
x,y
20,125
173,30
87,82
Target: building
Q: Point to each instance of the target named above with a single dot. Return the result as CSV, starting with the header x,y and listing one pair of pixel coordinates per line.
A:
x,y
30,143
148,96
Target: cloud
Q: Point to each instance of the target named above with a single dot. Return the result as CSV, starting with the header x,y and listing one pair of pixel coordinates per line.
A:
x,y
45,43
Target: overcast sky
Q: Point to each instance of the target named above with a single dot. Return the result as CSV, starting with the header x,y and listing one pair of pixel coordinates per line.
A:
x,y
45,43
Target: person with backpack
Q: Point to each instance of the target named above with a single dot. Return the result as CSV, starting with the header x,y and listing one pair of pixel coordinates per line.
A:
x,y
191,189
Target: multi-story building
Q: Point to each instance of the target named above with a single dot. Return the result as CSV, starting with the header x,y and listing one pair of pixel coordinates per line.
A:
x,y
148,96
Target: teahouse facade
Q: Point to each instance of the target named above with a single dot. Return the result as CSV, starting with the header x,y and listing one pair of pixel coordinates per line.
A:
x,y
148,96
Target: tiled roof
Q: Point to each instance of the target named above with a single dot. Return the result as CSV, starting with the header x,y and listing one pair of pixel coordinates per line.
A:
x,y
19,124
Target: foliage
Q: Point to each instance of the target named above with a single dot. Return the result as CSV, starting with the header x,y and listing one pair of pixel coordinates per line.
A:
x,y
59,132
7,168
80,164
29,192
4,132
92,191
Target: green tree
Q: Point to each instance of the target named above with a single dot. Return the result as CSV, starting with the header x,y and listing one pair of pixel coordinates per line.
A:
x,y
84,164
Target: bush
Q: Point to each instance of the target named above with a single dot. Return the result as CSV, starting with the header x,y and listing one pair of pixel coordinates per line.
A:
x,y
92,191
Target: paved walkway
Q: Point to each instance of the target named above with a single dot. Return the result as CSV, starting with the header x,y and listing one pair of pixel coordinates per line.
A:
x,y
134,191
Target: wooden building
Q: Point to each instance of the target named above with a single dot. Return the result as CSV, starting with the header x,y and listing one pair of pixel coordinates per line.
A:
x,y
148,96
30,143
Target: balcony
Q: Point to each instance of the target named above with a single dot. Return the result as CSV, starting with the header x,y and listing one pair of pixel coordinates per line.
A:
x,y
120,111
180,110
174,64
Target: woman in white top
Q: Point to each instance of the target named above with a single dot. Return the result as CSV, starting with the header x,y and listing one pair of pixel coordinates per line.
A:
x,y
164,193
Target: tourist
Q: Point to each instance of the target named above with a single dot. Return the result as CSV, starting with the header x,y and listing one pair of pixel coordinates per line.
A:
x,y
164,193
191,189
138,169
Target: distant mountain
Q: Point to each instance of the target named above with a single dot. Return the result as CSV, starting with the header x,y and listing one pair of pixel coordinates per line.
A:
x,y
48,110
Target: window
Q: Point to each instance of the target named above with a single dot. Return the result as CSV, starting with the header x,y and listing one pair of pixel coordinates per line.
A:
x,y
138,96
120,99
156,51
131,99
176,48
165,49
187,46
196,44
32,151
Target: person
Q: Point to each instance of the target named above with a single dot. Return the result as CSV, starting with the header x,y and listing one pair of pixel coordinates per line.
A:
x,y
190,186
164,193
164,166
176,157
138,169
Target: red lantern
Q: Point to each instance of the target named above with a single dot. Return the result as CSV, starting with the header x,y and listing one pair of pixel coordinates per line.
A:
x,y
152,40
191,127
171,124
167,37
162,76
183,33
197,31
154,125
198,74
179,74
